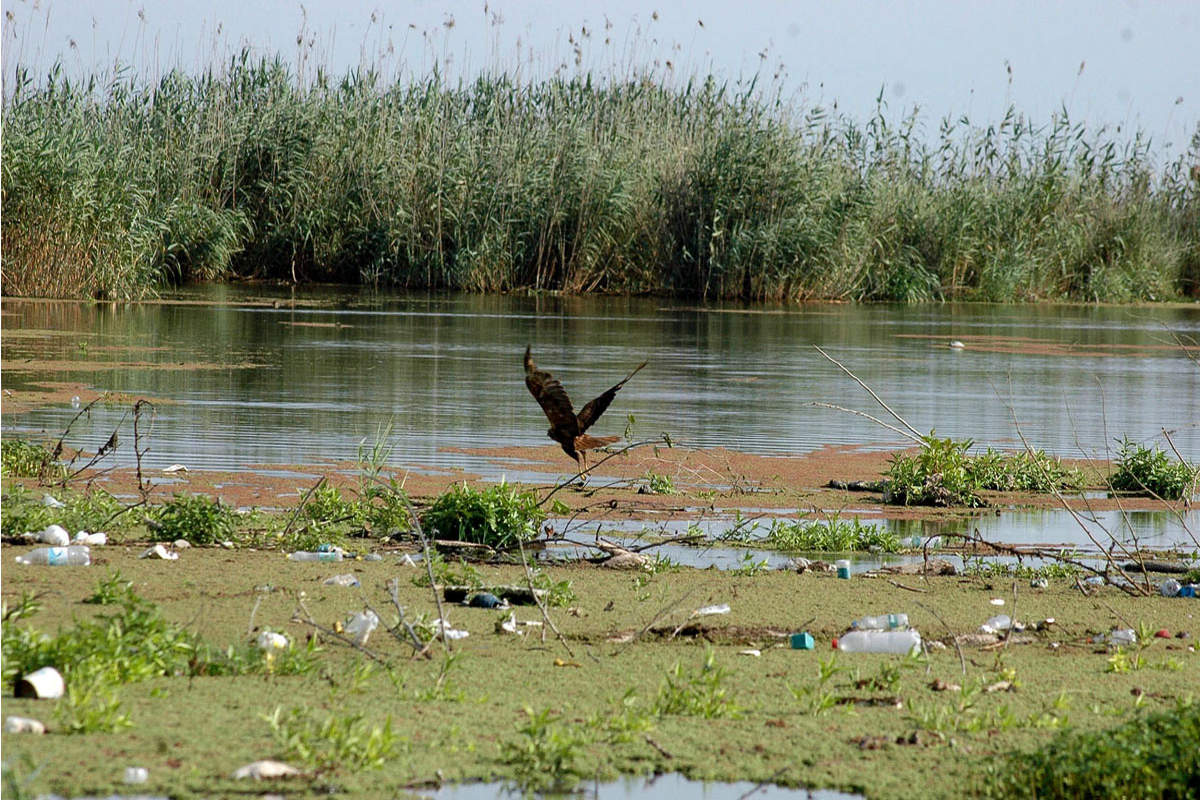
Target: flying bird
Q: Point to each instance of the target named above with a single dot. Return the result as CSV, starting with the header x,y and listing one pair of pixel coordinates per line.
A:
x,y
566,427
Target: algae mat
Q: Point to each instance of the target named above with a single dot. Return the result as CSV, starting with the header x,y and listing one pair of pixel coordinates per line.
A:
x,y
855,722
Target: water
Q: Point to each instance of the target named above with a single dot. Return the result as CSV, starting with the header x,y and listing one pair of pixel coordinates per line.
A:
x,y
658,787
305,384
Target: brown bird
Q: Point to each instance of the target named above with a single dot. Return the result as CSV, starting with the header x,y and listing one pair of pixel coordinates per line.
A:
x,y
566,427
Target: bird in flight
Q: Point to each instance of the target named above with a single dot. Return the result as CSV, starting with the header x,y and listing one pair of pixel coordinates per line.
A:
x,y
566,427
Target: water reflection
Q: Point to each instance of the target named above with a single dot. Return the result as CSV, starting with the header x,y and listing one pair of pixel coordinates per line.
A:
x,y
251,383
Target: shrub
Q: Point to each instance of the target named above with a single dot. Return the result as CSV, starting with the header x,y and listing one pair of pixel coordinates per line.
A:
x,y
1147,470
498,516
1153,756
939,475
193,517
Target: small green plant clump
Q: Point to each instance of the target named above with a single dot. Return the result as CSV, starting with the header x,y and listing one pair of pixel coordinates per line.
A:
x,y
546,754
1149,470
333,743
1151,756
835,535
696,694
193,517
944,474
498,516
22,459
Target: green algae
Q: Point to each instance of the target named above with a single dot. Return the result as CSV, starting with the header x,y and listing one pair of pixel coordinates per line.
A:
x,y
622,636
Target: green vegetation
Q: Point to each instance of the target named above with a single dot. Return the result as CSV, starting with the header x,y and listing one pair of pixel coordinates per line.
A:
x,y
23,459
196,518
115,185
611,697
88,511
498,516
834,535
1150,756
696,694
943,474
336,742
1149,470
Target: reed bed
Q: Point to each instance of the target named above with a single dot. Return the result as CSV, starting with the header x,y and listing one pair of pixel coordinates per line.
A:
x,y
118,187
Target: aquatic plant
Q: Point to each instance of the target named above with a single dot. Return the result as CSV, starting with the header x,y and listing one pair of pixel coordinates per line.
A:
x,y
696,694
833,535
942,473
24,459
115,185
25,511
498,516
336,742
1151,755
194,517
546,754
1149,470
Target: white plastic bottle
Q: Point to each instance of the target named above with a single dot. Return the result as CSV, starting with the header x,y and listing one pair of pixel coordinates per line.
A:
x,y
902,642
73,556
882,622
302,555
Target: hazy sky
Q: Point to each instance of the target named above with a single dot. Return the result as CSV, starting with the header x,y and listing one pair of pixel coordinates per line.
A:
x,y
1131,63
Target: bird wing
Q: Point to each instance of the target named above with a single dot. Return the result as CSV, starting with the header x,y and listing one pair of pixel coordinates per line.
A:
x,y
552,397
592,411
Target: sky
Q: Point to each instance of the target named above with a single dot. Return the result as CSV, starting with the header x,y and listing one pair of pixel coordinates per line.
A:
x,y
1128,63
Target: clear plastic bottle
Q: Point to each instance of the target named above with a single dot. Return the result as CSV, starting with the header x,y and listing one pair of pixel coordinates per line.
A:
x,y
360,625
882,622
73,556
902,642
1123,636
303,555
1169,588
997,624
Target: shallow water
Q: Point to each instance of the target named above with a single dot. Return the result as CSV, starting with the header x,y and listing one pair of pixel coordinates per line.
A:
x,y
300,385
658,787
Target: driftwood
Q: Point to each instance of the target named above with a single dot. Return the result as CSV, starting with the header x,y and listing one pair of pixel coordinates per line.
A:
x,y
1157,566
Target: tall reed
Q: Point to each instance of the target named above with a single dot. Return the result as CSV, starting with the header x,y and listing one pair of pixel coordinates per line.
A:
x,y
116,188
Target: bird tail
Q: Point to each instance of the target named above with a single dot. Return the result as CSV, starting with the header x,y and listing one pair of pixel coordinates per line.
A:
x,y
585,442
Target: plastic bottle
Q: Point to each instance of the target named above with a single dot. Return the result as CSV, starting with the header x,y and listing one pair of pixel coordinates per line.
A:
x,y
1122,636
360,625
1169,588
902,642
1000,622
881,622
303,555
74,556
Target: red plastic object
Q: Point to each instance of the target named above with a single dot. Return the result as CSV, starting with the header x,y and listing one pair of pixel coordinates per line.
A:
x,y
1162,634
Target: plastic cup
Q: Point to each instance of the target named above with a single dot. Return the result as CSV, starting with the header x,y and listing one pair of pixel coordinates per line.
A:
x,y
43,684
843,568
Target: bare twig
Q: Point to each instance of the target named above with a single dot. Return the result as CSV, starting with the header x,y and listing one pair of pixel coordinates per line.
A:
x,y
287,529
541,603
871,417
570,481
308,619
899,585
961,660
915,434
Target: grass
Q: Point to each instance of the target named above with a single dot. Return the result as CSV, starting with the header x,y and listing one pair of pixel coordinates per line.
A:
x,y
835,535
116,185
